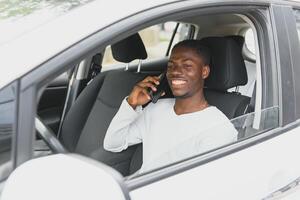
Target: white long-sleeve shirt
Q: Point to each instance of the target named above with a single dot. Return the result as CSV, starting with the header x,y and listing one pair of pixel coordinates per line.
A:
x,y
166,136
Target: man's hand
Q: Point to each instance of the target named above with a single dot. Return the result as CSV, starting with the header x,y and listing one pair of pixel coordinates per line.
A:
x,y
139,95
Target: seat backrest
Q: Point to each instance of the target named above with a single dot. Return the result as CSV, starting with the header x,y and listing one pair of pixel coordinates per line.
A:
x,y
227,70
78,114
86,122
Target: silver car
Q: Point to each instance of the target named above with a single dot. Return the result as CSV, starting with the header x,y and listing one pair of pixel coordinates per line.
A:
x,y
66,66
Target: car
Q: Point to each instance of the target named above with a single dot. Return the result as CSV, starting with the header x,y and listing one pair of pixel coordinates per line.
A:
x,y
64,77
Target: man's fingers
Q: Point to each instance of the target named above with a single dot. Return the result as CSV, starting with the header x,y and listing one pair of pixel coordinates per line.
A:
x,y
163,94
153,79
147,85
145,92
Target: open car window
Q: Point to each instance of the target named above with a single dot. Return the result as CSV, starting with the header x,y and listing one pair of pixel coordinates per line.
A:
x,y
84,127
251,120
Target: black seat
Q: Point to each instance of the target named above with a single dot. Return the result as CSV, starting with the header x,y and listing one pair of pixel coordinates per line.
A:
x,y
86,122
227,70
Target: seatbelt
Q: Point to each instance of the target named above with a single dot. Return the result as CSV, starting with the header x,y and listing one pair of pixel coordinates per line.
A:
x,y
67,104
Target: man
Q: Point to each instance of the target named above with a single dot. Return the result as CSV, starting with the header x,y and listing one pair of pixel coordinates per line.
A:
x,y
172,129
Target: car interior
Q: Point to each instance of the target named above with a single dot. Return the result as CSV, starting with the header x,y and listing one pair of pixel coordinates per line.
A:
x,y
77,107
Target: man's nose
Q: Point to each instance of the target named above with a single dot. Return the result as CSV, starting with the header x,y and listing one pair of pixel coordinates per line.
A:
x,y
176,69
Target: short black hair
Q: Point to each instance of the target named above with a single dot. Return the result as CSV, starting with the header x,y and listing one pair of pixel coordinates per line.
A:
x,y
200,49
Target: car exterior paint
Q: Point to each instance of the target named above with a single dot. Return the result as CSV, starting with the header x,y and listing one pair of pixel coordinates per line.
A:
x,y
65,32
254,172
66,168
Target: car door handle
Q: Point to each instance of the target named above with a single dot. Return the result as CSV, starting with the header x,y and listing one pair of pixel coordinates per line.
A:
x,y
282,191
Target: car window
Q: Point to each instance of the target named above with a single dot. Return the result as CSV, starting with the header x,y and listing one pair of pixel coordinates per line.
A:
x,y
104,94
156,39
251,122
7,128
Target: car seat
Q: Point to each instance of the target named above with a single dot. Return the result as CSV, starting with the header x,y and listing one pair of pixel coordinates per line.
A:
x,y
86,122
227,70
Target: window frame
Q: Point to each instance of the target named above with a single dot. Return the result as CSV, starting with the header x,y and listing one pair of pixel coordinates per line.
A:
x,y
14,136
285,33
256,18
296,52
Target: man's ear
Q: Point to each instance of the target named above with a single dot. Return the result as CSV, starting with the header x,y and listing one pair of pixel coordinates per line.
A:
x,y
205,71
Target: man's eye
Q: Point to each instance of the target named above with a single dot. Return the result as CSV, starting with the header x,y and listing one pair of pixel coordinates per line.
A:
x,y
187,65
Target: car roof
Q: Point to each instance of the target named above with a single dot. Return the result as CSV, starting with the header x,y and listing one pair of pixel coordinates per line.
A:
x,y
24,52
27,51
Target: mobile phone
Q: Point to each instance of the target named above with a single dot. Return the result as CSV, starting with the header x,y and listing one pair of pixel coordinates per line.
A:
x,y
160,88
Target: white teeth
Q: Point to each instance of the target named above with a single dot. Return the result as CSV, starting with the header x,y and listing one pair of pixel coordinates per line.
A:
x,y
178,82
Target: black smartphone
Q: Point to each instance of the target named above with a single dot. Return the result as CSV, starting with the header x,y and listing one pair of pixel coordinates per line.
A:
x,y
160,88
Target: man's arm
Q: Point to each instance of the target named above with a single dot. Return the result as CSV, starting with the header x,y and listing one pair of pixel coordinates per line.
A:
x,y
128,124
125,129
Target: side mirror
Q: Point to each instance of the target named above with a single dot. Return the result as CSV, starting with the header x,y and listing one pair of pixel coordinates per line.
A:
x,y
64,176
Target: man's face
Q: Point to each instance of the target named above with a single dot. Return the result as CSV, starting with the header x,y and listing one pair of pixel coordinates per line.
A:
x,y
186,72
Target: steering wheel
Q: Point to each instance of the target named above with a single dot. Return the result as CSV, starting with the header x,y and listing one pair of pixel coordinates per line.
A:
x,y
48,136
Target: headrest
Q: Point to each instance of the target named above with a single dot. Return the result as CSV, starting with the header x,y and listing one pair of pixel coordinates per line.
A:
x,y
227,66
129,49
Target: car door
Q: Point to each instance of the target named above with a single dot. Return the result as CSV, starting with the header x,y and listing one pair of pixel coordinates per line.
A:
x,y
264,166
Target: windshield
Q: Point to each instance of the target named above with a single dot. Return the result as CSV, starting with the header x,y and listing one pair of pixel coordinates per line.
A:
x,y
18,16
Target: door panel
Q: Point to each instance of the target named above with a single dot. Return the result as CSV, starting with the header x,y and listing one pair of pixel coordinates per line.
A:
x,y
253,173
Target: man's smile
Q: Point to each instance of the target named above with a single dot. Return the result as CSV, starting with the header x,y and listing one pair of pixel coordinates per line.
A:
x,y
178,82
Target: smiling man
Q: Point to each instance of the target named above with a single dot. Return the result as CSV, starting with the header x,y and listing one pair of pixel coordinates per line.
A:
x,y
177,128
